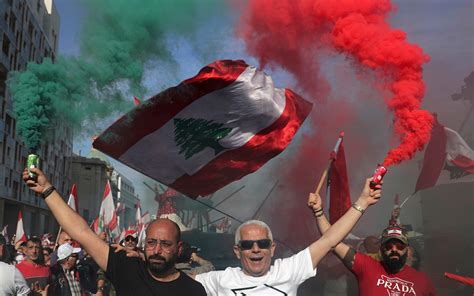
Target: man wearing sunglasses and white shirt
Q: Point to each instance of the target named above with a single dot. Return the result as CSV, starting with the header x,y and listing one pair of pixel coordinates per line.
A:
x,y
391,275
254,247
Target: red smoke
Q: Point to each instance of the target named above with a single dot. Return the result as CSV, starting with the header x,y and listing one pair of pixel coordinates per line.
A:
x,y
293,34
290,33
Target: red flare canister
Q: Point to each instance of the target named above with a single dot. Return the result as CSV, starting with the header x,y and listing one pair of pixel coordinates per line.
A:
x,y
377,177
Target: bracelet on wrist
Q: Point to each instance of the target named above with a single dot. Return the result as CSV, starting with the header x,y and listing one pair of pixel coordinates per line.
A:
x,y
318,211
358,208
47,192
317,215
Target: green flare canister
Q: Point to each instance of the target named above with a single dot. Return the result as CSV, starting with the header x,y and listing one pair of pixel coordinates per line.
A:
x,y
32,162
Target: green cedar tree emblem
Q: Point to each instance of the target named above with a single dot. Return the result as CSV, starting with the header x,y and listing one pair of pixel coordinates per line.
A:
x,y
193,135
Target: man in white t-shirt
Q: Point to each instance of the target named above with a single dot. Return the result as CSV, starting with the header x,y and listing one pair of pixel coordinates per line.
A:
x,y
254,247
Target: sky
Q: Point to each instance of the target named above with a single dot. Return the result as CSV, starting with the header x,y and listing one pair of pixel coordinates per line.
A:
x,y
444,29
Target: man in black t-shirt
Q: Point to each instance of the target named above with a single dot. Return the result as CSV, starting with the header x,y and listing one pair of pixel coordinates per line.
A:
x,y
130,276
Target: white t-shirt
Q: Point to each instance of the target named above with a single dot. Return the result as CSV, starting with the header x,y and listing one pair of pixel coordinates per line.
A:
x,y
283,278
11,281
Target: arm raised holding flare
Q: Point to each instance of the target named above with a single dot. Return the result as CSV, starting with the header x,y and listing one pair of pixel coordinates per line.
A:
x,y
333,235
70,221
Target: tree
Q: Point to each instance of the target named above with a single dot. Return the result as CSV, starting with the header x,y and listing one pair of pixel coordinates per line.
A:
x,y
193,135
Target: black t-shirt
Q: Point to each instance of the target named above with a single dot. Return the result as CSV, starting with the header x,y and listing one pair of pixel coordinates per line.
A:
x,y
130,277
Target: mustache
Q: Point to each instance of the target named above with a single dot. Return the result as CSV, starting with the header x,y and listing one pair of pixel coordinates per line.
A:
x,y
394,254
157,257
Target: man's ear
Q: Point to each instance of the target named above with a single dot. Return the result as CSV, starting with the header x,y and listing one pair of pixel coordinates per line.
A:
x,y
237,251
272,249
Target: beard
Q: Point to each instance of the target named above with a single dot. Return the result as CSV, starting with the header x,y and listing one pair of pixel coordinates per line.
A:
x,y
160,268
394,265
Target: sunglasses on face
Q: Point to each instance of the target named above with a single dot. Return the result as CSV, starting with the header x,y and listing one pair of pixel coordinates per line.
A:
x,y
261,243
129,239
398,245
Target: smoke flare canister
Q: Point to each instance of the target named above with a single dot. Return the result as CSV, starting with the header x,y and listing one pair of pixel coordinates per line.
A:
x,y
377,177
32,162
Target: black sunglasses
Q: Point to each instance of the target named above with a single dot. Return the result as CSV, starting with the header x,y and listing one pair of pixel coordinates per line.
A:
x,y
130,239
261,243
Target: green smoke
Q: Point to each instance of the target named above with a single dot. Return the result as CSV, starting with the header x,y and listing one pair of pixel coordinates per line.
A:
x,y
118,39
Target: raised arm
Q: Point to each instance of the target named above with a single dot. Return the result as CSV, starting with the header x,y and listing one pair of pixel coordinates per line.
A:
x,y
69,220
333,235
343,251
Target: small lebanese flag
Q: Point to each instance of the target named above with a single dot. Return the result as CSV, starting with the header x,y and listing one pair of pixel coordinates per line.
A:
x,y
20,232
210,130
95,226
136,101
107,210
72,201
138,216
448,159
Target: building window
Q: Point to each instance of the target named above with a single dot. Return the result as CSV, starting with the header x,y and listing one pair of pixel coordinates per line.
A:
x,y
5,44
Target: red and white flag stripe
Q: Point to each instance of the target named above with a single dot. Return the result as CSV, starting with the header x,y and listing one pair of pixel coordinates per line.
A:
x,y
208,131
448,159
20,232
72,201
107,210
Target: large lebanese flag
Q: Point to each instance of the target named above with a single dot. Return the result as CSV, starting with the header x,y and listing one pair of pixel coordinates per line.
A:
x,y
107,215
210,130
20,232
448,159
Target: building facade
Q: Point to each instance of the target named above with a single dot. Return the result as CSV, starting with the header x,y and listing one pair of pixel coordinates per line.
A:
x,y
90,174
29,31
127,198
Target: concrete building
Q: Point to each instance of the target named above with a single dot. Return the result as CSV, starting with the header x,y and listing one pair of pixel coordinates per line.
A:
x,y
90,175
127,198
29,31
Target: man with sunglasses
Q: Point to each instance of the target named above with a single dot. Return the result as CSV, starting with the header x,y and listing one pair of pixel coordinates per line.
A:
x,y
391,275
130,276
254,247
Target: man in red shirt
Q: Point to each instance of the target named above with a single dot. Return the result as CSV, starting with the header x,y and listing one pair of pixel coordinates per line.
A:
x,y
32,268
391,275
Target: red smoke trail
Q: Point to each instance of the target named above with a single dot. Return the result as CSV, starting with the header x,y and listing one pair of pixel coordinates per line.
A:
x,y
293,34
289,33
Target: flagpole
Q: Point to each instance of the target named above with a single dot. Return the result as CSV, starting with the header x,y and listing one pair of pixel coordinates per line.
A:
x,y
57,237
325,172
406,199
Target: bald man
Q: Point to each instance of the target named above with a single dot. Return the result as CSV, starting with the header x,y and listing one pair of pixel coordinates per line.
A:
x,y
130,276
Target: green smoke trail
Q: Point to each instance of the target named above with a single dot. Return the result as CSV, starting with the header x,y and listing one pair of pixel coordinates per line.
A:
x,y
118,39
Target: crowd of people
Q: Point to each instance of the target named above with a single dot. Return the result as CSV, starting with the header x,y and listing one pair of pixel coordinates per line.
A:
x,y
83,263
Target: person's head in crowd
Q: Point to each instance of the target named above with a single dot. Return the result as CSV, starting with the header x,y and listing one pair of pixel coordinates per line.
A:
x,y
372,244
254,247
3,244
47,255
33,251
64,238
412,258
131,240
162,246
394,248
67,256
7,251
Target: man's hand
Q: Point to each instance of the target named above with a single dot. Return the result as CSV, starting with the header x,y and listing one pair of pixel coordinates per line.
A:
x,y
130,253
369,196
315,202
38,184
